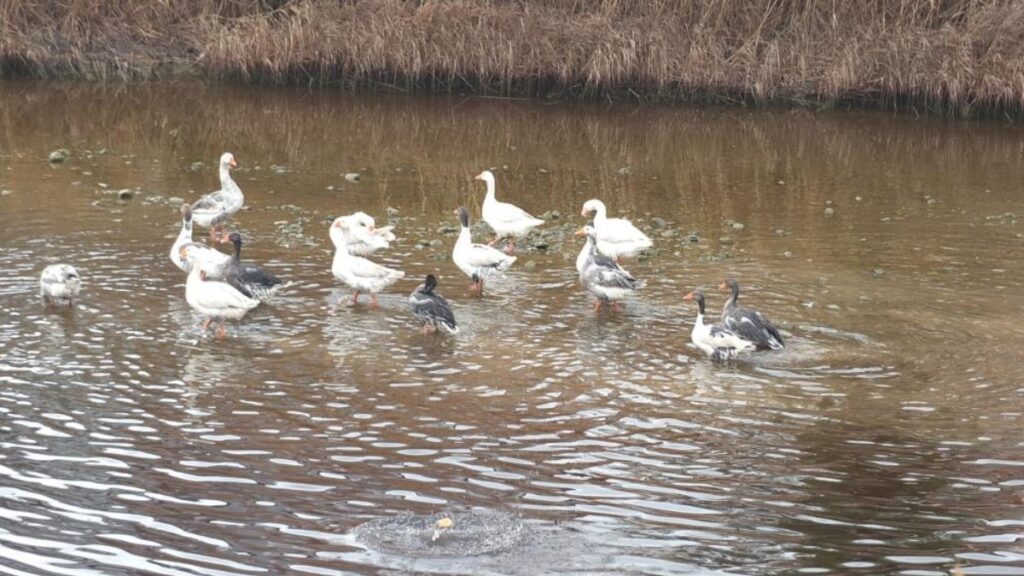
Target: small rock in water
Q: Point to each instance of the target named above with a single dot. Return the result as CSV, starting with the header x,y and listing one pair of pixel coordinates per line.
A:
x,y
624,171
530,265
878,272
693,238
6,192
668,233
352,177
541,171
104,185
738,226
447,229
858,198
833,307
58,156
551,215
725,240
125,194
830,211
779,232
391,212
175,201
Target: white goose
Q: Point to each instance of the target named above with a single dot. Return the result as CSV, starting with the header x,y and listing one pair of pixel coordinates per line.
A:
x,y
616,237
208,258
477,261
359,273
370,238
60,284
212,210
213,299
507,220
716,341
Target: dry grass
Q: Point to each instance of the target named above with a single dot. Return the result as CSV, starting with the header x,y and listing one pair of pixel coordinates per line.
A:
x,y
959,57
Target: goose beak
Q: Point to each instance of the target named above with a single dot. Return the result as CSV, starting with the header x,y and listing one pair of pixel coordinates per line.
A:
x,y
336,224
581,232
372,229
723,285
233,164
688,297
584,212
479,176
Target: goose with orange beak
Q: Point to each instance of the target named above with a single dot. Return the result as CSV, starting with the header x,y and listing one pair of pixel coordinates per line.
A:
x,y
360,274
213,299
364,237
507,220
616,238
213,210
718,342
602,276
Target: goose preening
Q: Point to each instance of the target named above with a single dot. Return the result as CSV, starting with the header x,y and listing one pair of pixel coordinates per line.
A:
x,y
716,341
248,279
214,299
362,235
357,272
507,220
60,284
477,261
748,323
431,308
616,237
212,210
209,258
602,276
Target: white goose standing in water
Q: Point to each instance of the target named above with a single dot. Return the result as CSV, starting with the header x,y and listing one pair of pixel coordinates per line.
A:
x,y
616,237
507,220
716,341
60,284
209,258
477,261
214,299
213,210
357,272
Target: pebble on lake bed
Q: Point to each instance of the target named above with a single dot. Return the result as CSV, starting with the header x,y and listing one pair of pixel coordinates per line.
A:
x,y
353,177
58,156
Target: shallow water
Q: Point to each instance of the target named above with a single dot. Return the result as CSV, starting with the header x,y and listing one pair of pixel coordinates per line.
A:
x,y
884,438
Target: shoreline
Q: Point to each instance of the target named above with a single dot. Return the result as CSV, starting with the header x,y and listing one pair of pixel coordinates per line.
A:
x,y
962,60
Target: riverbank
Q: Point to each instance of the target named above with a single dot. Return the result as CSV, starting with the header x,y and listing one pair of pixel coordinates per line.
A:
x,y
957,57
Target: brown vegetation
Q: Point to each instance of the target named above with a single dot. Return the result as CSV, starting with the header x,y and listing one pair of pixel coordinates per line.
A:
x,y
958,57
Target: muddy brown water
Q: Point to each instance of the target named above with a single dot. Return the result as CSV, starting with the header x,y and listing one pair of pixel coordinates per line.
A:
x,y
885,438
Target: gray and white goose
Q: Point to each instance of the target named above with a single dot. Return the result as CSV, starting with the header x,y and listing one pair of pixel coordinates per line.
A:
x,y
213,210
248,279
431,308
477,261
748,323
602,276
717,341
208,258
60,284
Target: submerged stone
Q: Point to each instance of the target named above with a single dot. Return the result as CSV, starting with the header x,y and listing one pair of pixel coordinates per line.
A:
x,y
60,155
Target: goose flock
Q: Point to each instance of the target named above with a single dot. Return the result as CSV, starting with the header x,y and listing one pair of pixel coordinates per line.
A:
x,y
221,287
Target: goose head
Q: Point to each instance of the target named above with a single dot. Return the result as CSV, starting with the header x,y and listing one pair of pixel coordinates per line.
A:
x,y
227,160
463,215
592,206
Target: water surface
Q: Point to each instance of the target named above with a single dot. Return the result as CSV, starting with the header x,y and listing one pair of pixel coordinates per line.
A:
x,y
885,438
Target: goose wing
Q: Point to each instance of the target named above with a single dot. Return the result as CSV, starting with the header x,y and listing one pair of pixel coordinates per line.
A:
x,y
219,295
753,327
481,256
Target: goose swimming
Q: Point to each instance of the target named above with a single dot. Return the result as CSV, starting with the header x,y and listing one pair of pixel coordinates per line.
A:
x,y
431,308
60,284
248,279
716,341
748,323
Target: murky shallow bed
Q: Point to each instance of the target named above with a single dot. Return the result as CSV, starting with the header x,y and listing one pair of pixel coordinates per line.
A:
x,y
885,438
